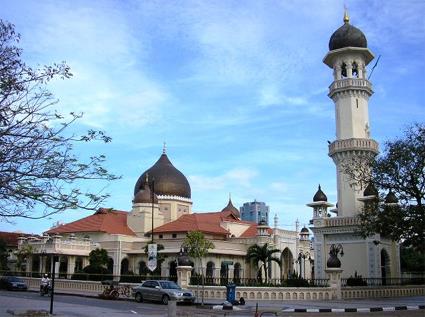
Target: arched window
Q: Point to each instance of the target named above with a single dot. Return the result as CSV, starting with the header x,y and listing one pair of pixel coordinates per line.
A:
x,y
210,273
63,266
385,266
143,269
224,274
287,261
78,264
35,264
124,266
237,273
355,70
173,270
344,70
110,265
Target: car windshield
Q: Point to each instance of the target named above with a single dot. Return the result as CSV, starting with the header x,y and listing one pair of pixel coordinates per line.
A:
x,y
169,285
15,279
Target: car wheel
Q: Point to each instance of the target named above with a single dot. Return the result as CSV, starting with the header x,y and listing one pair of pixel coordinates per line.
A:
x,y
165,299
138,297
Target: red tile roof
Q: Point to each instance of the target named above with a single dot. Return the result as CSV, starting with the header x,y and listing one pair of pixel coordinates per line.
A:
x,y
208,223
11,238
103,220
204,222
252,231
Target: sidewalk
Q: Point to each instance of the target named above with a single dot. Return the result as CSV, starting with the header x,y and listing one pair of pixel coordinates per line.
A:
x,y
352,305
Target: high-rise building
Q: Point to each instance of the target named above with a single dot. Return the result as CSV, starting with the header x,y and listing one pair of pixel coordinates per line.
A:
x,y
255,211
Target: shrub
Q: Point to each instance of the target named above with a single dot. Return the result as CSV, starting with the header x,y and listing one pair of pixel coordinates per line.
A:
x,y
356,280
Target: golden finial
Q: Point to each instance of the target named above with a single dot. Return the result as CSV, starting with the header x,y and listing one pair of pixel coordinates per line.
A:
x,y
346,16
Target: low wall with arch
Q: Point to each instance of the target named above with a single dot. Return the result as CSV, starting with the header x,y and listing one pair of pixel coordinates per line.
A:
x,y
251,293
268,293
309,293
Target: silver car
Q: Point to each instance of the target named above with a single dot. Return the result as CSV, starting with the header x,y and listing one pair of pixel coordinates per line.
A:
x,y
163,291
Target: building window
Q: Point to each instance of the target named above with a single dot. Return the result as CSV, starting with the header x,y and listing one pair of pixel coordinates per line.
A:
x,y
160,236
174,235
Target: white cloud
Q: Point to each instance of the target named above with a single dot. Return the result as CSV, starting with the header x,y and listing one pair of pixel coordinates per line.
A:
x,y
239,177
280,187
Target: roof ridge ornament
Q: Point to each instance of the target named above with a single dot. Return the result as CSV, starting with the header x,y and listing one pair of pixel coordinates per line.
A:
x,y
164,148
346,16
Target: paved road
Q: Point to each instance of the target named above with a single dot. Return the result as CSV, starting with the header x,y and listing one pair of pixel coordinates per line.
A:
x,y
74,306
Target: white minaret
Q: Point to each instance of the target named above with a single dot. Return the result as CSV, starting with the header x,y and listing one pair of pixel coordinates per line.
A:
x,y
350,91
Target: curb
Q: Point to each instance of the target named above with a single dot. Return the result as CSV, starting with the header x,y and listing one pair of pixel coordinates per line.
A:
x,y
351,310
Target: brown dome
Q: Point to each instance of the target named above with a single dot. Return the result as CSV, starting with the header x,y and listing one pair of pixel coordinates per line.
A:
x,y
232,209
370,190
347,36
144,196
391,198
169,181
320,195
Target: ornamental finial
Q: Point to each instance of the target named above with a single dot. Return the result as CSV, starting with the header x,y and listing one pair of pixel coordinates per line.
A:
x,y
346,16
164,148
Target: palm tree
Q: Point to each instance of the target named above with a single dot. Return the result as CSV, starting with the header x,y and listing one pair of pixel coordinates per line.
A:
x,y
263,254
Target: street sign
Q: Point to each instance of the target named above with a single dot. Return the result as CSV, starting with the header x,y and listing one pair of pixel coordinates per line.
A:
x,y
152,257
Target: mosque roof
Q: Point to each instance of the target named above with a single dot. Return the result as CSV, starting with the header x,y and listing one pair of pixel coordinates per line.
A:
x,y
391,198
209,222
347,36
169,181
232,209
11,238
320,195
103,220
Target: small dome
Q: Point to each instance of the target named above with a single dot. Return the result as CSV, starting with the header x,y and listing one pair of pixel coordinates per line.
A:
x,y
320,196
391,198
145,196
169,181
347,36
232,209
305,230
370,190
263,222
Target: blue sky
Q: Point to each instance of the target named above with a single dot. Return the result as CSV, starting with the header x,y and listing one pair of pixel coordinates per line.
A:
x,y
237,90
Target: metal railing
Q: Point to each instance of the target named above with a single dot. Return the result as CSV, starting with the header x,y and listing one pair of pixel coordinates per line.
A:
x,y
360,281
252,282
124,278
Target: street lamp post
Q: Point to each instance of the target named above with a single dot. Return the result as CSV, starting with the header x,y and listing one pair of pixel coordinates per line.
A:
x,y
53,283
152,188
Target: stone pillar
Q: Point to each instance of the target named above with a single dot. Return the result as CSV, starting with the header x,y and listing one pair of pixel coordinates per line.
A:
x,y
334,275
183,275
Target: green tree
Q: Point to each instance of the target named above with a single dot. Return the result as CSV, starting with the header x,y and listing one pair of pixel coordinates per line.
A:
x,y
22,255
98,258
411,260
96,270
39,173
400,169
262,255
197,247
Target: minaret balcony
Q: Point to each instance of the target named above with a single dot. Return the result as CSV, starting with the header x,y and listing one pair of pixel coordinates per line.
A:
x,y
353,145
350,83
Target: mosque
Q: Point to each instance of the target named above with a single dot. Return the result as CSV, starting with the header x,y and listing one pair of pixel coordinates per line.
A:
x,y
166,206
